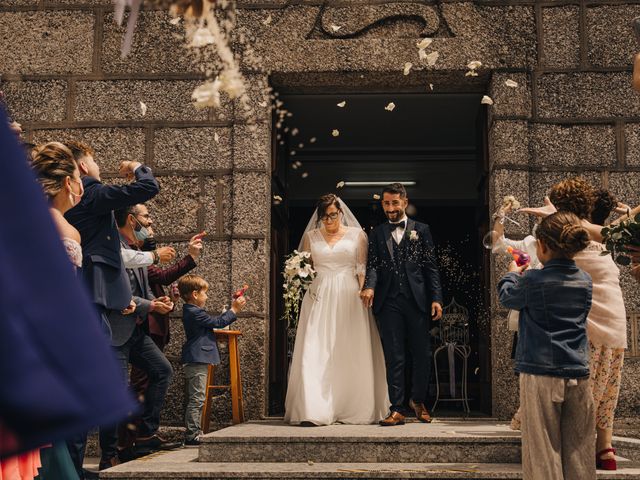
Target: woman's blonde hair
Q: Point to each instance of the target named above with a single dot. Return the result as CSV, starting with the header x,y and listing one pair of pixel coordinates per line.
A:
x,y
563,234
53,163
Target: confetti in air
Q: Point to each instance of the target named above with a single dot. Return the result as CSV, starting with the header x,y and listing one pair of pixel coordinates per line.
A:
x,y
216,137
340,184
376,196
335,28
407,68
267,21
174,21
511,83
335,132
312,140
390,107
342,104
143,108
424,43
486,100
305,175
432,58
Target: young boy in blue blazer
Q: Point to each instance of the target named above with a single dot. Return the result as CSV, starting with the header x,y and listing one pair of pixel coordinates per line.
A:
x,y
200,350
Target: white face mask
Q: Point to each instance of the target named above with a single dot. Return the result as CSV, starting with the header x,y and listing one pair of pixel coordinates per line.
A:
x,y
74,198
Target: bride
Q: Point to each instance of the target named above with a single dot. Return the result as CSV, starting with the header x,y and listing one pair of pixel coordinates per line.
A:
x,y
337,372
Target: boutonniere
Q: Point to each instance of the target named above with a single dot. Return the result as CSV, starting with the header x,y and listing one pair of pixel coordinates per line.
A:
x,y
413,235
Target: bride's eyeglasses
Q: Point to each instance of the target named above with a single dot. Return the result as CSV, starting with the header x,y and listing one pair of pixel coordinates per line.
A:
x,y
330,216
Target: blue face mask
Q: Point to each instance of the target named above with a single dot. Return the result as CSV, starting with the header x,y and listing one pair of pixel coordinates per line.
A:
x,y
141,233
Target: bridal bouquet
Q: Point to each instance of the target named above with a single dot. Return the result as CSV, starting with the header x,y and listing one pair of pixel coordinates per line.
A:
x,y
298,274
616,237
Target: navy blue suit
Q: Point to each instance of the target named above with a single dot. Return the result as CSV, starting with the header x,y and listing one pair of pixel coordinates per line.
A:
x,y
405,280
102,267
52,350
201,346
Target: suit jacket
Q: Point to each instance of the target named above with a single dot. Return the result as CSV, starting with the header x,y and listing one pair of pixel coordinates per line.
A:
x,y
102,267
201,346
159,278
420,265
122,326
59,376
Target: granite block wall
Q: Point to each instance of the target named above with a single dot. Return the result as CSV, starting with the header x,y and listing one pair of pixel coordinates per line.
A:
x,y
572,111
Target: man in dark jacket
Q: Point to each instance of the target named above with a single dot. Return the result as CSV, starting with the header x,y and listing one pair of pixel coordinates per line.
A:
x,y
102,268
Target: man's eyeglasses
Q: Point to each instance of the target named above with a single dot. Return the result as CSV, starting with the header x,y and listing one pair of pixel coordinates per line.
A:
x,y
332,216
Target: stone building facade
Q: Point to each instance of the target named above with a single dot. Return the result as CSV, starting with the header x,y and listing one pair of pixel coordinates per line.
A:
x,y
572,111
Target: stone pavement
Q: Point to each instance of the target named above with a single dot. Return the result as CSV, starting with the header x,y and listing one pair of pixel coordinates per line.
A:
x,y
445,449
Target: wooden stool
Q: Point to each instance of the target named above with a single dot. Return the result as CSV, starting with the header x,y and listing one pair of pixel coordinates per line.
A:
x,y
237,409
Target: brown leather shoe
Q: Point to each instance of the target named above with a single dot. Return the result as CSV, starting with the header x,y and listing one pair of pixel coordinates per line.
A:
x,y
422,413
394,418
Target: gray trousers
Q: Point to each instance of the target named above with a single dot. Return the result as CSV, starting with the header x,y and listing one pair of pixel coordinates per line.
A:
x,y
196,384
558,428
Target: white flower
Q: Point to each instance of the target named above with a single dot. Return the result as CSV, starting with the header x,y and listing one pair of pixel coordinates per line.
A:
x,y
303,273
432,58
407,68
511,84
474,64
486,100
202,37
424,43
335,132
390,107
143,108
342,104
413,235
207,94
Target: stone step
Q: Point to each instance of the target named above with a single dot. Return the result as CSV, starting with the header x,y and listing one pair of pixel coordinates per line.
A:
x,y
446,441
183,465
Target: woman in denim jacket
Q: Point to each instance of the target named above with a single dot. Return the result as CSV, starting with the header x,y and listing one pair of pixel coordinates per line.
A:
x,y
558,421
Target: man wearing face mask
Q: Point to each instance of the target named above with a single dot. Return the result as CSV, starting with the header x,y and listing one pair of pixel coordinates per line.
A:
x,y
133,345
157,323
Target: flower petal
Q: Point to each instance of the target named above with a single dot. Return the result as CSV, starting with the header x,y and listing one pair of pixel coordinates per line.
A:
x,y
143,108
340,184
342,104
390,107
335,132
486,100
424,43
407,68
511,83
432,58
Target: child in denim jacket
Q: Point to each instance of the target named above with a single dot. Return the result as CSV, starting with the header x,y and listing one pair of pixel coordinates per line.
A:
x,y
558,420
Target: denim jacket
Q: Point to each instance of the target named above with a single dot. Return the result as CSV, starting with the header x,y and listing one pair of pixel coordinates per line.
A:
x,y
553,303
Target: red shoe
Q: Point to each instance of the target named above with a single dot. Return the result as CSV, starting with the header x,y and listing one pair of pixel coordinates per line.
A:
x,y
606,463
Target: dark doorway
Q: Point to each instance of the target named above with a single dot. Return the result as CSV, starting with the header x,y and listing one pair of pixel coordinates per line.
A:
x,y
436,143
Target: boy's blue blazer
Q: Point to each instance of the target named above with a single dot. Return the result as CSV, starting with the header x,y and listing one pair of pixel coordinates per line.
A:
x,y
201,346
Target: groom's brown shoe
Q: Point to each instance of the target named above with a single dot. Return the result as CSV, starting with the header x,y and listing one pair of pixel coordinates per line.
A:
x,y
394,418
422,413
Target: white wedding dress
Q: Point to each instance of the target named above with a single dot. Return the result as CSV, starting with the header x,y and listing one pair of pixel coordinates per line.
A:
x,y
337,372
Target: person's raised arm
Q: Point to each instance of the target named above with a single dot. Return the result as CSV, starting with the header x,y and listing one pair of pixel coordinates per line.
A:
x,y
105,198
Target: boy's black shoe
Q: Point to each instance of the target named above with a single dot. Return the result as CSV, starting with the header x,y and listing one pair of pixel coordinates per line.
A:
x,y
194,442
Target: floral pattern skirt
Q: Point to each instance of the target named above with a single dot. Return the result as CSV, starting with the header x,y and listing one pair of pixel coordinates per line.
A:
x,y
605,364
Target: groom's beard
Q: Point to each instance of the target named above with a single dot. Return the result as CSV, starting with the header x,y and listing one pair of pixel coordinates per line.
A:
x,y
395,215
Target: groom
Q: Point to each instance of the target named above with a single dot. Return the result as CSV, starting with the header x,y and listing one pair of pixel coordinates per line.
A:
x,y
403,285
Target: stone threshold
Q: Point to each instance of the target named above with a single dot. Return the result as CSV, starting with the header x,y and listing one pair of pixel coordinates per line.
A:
x,y
183,464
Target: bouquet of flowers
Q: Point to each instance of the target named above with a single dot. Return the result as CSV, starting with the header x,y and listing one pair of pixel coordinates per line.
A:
x,y
298,274
618,236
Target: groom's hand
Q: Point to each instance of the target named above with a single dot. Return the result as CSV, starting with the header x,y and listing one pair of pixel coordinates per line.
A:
x,y
367,297
436,311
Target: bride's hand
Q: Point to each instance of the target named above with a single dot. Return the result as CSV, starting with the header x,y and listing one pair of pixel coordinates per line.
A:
x,y
367,297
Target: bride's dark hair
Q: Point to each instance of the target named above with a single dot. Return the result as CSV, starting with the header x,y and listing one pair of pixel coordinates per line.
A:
x,y
324,202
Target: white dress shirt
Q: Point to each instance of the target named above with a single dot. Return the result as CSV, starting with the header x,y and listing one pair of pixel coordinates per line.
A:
x,y
398,233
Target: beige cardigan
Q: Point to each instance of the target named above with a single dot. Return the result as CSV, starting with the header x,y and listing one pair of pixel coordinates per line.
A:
x,y
607,321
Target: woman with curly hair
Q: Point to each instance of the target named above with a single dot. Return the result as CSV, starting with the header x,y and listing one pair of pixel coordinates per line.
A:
x,y
607,320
